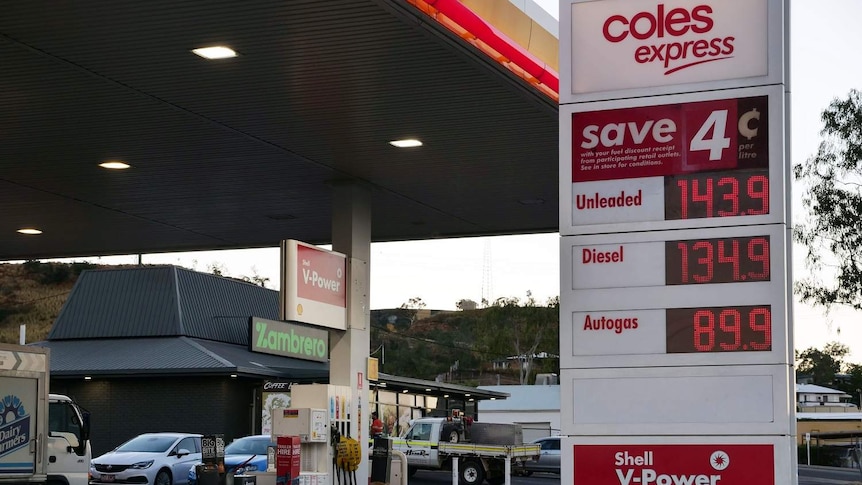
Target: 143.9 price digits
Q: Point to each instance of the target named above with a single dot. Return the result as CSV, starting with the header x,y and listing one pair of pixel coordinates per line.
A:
x,y
717,194
719,329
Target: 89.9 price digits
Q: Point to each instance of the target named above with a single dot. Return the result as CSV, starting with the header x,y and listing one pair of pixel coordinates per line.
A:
x,y
724,260
717,194
719,329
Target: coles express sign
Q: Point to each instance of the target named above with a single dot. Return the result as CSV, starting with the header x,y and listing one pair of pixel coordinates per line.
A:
x,y
679,464
623,44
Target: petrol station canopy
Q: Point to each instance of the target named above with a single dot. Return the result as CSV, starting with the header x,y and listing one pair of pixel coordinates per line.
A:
x,y
244,152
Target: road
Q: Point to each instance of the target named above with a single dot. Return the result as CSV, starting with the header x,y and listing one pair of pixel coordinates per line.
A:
x,y
808,475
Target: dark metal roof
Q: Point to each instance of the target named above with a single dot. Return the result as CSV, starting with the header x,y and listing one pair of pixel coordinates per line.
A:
x,y
161,301
172,356
244,152
433,388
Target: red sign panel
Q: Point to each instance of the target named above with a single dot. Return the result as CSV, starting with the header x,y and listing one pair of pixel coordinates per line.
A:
x,y
288,458
672,139
683,464
321,276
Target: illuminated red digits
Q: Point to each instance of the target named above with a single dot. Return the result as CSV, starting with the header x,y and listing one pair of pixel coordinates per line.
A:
x,y
728,322
758,251
732,196
706,260
732,258
704,324
758,188
705,196
683,195
683,254
760,320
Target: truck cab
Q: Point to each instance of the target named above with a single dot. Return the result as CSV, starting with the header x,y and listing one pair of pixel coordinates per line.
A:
x,y
68,442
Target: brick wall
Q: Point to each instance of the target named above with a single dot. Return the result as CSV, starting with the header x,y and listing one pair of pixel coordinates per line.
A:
x,y
122,408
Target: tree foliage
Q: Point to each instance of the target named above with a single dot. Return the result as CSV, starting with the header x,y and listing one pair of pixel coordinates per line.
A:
x,y
510,328
822,365
833,195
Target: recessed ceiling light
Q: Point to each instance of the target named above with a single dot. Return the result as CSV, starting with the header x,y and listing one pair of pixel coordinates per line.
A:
x,y
115,165
405,391
32,231
406,143
88,378
215,52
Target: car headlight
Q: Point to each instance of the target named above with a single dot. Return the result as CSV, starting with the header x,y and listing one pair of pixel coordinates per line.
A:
x,y
142,464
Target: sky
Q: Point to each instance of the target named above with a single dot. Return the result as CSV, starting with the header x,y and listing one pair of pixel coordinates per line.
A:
x,y
824,39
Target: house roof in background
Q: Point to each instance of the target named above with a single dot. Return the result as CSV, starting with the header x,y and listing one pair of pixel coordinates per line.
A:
x,y
523,398
815,389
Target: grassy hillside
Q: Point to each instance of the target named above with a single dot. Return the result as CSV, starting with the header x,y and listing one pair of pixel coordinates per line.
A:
x,y
33,294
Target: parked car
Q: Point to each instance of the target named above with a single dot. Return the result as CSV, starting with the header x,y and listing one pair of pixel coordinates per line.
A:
x,y
151,458
247,454
549,456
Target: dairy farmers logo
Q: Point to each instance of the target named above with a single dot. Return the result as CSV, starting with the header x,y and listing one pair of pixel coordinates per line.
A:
x,y
675,38
14,425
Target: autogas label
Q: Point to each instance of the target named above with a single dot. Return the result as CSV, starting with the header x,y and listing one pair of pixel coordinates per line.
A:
x,y
682,464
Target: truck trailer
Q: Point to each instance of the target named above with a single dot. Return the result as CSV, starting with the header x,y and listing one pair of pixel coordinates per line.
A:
x,y
44,438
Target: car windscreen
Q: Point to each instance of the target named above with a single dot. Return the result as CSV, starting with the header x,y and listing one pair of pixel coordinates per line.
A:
x,y
248,446
148,444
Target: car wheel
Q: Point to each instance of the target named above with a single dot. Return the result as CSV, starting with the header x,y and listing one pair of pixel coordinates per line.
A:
x,y
411,470
453,436
163,478
472,473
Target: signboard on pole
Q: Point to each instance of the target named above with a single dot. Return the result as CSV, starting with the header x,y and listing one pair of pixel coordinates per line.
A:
x,y
676,336
313,285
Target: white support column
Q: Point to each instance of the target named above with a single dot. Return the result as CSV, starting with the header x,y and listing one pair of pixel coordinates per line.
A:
x,y
351,235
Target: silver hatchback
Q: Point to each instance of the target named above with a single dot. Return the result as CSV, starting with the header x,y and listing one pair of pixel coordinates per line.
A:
x,y
151,458
549,456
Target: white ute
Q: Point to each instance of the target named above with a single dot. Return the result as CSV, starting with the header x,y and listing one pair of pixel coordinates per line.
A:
x,y
484,451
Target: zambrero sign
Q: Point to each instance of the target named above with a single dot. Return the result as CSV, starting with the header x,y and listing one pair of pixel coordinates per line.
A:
x,y
625,44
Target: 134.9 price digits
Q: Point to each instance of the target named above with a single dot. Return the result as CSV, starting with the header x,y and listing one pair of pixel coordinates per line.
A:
x,y
723,260
719,329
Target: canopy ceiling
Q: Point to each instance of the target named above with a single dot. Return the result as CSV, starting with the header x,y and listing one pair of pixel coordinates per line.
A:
x,y
244,152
